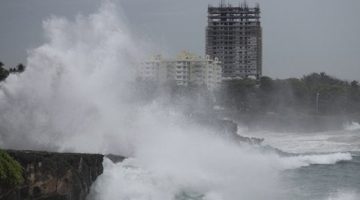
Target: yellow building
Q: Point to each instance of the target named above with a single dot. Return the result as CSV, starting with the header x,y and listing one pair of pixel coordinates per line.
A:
x,y
185,69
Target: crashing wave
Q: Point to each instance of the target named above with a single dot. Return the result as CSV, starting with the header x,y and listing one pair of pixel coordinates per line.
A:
x,y
353,126
319,159
344,195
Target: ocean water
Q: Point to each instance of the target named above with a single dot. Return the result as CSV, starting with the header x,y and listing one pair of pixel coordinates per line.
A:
x,y
340,180
314,166
327,176
318,142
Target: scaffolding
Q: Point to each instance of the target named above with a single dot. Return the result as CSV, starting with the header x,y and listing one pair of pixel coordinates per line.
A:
x,y
234,36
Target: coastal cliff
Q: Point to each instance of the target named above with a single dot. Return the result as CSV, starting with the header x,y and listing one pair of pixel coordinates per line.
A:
x,y
54,176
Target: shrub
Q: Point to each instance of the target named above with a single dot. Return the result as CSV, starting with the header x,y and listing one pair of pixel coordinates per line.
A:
x,y
10,171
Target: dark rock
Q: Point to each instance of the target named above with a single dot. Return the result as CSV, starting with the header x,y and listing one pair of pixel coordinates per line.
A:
x,y
226,127
54,176
115,158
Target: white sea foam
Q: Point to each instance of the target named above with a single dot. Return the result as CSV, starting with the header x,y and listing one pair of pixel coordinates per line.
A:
x,y
204,166
344,195
125,181
318,142
306,160
222,172
353,126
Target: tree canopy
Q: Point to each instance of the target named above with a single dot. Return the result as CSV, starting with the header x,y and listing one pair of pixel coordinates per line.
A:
x,y
3,72
281,95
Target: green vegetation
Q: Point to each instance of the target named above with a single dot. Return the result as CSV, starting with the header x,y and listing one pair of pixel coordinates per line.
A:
x,y
10,171
316,93
19,68
3,72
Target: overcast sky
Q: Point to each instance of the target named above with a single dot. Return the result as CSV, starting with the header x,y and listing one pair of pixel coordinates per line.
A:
x,y
299,36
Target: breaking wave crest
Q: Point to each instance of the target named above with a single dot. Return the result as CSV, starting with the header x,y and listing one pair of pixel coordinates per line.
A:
x,y
321,159
344,195
182,177
353,126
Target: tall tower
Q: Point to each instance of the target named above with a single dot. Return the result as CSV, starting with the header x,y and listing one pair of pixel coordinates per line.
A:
x,y
234,36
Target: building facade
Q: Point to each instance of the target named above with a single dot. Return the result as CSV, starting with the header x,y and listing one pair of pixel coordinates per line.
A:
x,y
234,36
153,69
185,69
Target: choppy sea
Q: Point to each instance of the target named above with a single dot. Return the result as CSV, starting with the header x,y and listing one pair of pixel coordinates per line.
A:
x,y
287,166
334,157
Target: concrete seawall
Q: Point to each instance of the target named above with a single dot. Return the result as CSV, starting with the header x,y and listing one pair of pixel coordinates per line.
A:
x,y
50,176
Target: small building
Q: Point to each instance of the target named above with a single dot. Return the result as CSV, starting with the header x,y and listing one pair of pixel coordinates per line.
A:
x,y
153,69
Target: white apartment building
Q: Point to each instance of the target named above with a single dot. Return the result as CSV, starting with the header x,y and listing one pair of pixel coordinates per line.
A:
x,y
153,69
185,69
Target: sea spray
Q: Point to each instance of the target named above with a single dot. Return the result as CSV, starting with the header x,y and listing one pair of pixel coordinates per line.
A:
x,y
311,159
352,126
71,95
74,96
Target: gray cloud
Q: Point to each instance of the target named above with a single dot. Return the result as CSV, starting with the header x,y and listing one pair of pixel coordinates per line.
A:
x,y
299,36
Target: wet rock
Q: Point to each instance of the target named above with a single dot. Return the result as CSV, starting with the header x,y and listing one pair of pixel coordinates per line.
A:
x,y
54,176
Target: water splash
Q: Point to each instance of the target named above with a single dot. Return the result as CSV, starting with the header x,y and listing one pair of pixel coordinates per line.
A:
x,y
71,96
74,96
353,126
319,159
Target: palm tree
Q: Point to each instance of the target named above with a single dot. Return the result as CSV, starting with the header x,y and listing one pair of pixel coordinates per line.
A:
x,y
20,67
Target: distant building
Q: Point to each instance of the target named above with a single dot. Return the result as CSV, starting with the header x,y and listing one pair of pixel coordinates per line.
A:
x,y
184,70
234,35
153,69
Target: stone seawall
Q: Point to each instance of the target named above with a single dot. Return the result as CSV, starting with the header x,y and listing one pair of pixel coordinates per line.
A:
x,y
54,176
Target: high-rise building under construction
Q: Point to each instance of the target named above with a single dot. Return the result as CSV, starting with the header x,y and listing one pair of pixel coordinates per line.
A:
x,y
234,36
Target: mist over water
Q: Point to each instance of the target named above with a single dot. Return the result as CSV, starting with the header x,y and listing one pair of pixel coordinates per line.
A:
x,y
77,95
